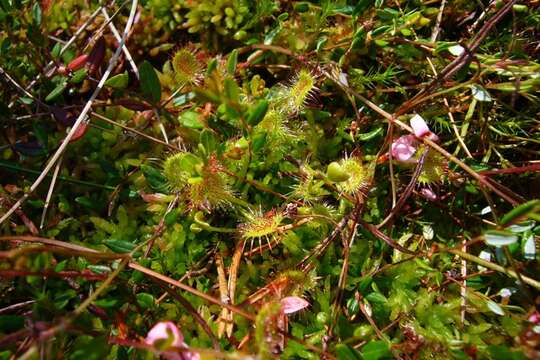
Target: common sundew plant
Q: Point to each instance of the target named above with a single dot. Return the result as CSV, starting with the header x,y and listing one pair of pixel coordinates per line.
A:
x,y
270,179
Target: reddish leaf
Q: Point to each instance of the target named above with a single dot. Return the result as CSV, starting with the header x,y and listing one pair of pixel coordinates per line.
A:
x,y
95,59
78,63
46,5
79,133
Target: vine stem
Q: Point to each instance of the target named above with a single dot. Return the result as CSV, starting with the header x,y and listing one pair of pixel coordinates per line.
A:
x,y
489,265
82,116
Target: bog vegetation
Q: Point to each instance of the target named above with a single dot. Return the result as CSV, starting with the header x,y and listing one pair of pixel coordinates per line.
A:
x,y
203,179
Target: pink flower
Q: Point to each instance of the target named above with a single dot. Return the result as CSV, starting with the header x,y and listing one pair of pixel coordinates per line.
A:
x,y
165,336
404,148
292,304
421,129
534,317
165,331
428,193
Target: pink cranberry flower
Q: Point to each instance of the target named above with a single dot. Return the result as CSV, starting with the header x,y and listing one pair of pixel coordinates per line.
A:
x,y
534,317
292,304
404,148
421,129
167,337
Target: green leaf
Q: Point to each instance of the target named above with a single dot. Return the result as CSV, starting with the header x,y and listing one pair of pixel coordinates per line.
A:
x,y
259,139
502,352
208,140
119,246
119,81
145,300
494,307
36,13
79,75
89,348
190,119
231,90
257,113
232,61
375,350
522,226
212,65
57,91
154,178
499,238
480,94
361,6
370,135
520,211
99,269
55,52
456,50
345,352
149,82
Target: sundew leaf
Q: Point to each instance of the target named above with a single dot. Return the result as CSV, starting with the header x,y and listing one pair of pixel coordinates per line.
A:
x,y
499,238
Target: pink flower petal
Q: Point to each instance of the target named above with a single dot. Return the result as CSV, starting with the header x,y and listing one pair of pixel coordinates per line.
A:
x,y
433,137
404,148
292,304
165,330
534,317
419,126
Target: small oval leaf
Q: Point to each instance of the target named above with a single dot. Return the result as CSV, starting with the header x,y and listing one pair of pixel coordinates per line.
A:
x,y
57,91
119,81
257,113
150,86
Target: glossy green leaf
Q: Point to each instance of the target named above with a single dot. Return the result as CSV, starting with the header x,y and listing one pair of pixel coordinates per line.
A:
x,y
154,178
119,246
232,61
257,113
376,350
119,81
344,352
520,211
499,238
57,91
190,119
149,82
